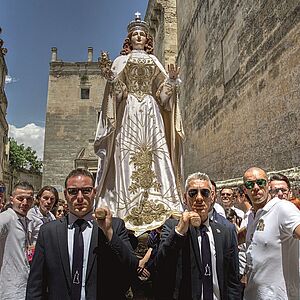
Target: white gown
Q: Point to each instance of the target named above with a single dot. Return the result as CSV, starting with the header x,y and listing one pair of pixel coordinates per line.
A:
x,y
139,182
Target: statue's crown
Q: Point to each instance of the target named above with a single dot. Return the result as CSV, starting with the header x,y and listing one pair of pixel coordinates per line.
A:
x,y
138,24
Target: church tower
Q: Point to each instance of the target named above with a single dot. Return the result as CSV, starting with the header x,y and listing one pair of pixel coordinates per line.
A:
x,y
75,92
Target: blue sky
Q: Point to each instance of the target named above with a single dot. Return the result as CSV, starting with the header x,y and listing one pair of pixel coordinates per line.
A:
x,y
30,28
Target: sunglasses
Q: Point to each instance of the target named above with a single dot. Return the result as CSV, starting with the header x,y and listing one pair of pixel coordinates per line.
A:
x,y
194,192
2,189
226,194
250,183
276,191
85,191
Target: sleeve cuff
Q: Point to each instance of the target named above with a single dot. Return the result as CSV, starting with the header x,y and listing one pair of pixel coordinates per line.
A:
x,y
177,232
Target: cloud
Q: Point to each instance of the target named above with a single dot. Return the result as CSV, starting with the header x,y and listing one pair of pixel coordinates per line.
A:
x,y
9,79
30,135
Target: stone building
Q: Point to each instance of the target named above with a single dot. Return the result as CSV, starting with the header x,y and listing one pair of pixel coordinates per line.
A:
x,y
162,19
74,98
25,175
241,83
4,175
239,98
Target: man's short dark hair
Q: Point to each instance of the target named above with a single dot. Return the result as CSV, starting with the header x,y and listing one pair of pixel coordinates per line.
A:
x,y
227,188
77,172
240,190
280,177
214,184
23,185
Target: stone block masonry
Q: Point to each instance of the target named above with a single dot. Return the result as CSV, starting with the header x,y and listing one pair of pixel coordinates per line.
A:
x,y
75,93
241,84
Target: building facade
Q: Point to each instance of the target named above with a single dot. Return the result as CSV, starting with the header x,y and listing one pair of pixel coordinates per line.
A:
x,y
162,19
239,95
75,92
240,69
4,148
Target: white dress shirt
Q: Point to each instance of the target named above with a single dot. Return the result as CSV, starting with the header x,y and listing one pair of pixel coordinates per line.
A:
x,y
216,290
219,209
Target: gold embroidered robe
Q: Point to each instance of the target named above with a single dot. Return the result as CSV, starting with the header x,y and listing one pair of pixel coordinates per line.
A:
x,y
139,143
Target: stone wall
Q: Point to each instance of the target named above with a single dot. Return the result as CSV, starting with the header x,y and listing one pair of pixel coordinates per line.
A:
x,y
34,178
241,85
161,16
71,122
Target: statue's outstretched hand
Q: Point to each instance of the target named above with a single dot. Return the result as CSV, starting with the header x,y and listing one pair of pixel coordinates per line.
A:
x,y
173,71
105,66
108,74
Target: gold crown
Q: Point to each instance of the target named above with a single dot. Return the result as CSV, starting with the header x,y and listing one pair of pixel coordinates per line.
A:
x,y
137,24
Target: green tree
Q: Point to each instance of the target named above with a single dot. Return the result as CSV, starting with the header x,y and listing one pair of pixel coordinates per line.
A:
x,y
22,158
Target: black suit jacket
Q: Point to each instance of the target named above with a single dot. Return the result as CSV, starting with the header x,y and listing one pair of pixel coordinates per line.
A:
x,y
223,221
180,270
234,239
108,262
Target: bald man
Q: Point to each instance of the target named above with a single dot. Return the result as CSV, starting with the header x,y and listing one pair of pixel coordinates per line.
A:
x,y
272,247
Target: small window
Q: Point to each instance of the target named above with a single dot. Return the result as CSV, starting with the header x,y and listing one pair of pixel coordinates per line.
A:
x,y
85,93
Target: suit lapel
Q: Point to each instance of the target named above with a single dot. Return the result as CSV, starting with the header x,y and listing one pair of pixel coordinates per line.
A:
x,y
195,246
92,252
62,236
218,238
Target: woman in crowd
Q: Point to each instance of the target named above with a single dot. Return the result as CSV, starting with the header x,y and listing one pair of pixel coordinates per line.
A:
x,y
40,213
59,210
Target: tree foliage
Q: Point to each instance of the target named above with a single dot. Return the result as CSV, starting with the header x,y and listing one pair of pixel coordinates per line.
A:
x,y
23,158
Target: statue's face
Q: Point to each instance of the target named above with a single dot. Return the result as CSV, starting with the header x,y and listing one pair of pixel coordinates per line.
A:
x,y
138,39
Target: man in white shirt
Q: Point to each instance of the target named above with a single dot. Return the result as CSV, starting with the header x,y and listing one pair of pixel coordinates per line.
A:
x,y
280,186
227,199
15,243
272,245
40,213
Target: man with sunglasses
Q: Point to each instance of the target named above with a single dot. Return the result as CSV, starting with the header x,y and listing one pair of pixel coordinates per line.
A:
x,y
279,186
227,199
272,245
196,259
81,255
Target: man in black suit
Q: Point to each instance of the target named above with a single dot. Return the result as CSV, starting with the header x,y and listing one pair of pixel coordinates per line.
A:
x,y
196,259
82,255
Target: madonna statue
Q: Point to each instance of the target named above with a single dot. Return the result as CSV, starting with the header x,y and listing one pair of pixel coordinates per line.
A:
x,y
139,135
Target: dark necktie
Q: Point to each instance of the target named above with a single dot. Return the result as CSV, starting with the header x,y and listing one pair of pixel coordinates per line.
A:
x,y
78,247
206,261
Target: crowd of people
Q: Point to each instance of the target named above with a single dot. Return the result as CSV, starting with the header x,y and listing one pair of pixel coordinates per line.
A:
x,y
232,243
204,242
